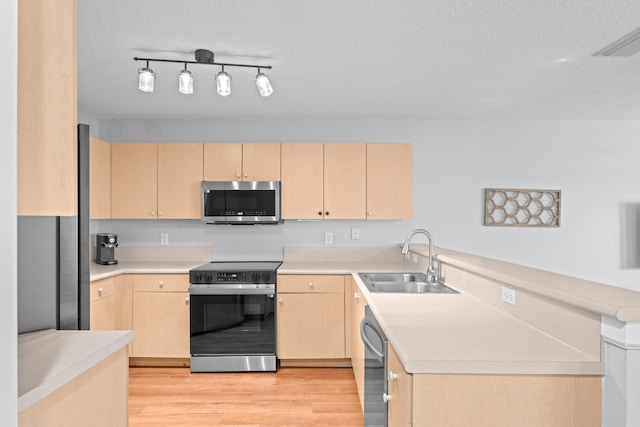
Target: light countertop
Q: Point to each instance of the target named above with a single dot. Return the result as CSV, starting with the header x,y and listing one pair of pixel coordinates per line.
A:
x,y
99,272
49,359
456,333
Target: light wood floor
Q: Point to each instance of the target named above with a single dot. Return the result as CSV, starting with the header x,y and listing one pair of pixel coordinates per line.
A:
x,y
290,397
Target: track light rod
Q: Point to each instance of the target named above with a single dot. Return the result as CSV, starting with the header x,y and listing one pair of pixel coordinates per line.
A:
x,y
224,64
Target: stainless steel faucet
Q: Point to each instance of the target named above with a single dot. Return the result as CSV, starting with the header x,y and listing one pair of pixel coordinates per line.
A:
x,y
432,271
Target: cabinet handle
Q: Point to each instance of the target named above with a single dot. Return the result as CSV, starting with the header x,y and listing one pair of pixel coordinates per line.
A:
x,y
245,175
310,284
186,300
356,295
386,397
159,213
392,376
320,213
161,283
326,213
279,299
100,290
152,213
370,213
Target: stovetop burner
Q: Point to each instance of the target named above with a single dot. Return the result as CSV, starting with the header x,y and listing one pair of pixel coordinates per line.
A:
x,y
235,272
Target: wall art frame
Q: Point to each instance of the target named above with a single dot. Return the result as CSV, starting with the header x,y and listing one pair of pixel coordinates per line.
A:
x,y
513,207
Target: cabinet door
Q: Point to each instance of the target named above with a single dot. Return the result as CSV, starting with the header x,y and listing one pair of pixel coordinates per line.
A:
x,y
261,162
302,181
161,324
400,408
222,162
357,346
47,132
310,326
179,176
100,179
389,181
345,181
102,305
134,181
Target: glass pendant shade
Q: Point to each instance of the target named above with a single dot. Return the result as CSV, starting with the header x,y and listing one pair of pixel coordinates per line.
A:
x,y
185,82
223,83
264,86
146,79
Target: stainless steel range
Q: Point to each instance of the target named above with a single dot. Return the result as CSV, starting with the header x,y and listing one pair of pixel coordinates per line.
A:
x,y
233,325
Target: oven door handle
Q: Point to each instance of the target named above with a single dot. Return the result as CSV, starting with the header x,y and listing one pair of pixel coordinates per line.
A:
x,y
232,290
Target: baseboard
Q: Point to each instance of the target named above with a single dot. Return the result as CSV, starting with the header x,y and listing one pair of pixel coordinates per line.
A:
x,y
157,362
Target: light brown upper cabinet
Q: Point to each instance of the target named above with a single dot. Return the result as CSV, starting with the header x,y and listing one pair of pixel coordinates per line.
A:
x,y
99,179
323,181
179,178
302,181
345,181
389,181
242,162
156,181
47,135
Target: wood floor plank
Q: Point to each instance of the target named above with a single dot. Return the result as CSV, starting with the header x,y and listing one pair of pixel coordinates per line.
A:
x,y
290,397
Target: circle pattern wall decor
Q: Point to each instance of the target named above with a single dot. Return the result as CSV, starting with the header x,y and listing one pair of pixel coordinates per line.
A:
x,y
522,208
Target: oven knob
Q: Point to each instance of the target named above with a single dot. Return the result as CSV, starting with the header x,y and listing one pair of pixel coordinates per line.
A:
x,y
255,277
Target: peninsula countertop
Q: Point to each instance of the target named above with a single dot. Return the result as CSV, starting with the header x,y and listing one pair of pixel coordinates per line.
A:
x,y
456,333
49,359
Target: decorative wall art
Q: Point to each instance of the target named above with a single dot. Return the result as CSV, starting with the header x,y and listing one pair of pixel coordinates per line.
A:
x,y
521,208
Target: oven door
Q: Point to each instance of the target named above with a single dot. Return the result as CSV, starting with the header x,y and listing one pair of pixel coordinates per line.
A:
x,y
231,322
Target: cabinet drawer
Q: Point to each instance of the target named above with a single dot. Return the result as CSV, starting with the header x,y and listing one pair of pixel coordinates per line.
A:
x,y
310,283
102,289
161,282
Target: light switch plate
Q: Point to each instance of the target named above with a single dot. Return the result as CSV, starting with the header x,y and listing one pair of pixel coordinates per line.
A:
x,y
164,239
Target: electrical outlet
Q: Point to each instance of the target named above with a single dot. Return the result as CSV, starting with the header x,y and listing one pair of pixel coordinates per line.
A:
x,y
328,238
355,233
509,296
164,239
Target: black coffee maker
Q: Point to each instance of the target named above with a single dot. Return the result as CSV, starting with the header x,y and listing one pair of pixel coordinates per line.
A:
x,y
106,244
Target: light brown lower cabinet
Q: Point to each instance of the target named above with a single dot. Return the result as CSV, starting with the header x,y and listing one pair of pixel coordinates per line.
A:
x,y
452,400
310,317
161,316
102,305
400,389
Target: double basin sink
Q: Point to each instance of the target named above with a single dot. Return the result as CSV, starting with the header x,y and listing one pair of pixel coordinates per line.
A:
x,y
406,283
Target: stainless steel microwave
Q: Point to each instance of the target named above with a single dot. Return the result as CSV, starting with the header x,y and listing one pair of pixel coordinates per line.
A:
x,y
240,202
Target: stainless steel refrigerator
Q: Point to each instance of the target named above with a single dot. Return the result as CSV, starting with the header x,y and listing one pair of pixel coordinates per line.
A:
x,y
54,261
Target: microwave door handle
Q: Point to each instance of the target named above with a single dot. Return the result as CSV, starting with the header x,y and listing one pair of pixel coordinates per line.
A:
x,y
367,342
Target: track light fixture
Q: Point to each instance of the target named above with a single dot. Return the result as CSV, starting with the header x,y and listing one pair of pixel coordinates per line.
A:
x,y
185,81
223,83
146,76
263,83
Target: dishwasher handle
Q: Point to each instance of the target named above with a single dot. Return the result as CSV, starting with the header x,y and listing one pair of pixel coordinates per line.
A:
x,y
367,342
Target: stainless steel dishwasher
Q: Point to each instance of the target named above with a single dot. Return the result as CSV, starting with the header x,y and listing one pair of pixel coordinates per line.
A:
x,y
375,368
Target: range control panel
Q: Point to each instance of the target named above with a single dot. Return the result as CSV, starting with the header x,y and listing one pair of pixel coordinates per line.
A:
x,y
213,277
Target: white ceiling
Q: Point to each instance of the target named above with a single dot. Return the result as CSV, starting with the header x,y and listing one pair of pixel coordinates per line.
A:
x,y
446,59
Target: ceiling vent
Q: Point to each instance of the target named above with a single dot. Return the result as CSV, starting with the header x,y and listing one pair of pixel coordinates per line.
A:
x,y
626,46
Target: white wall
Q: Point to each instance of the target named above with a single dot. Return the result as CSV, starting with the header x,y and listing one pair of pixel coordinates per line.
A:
x,y
8,226
594,163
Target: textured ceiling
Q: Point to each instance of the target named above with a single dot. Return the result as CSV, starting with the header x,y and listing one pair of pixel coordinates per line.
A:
x,y
445,59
